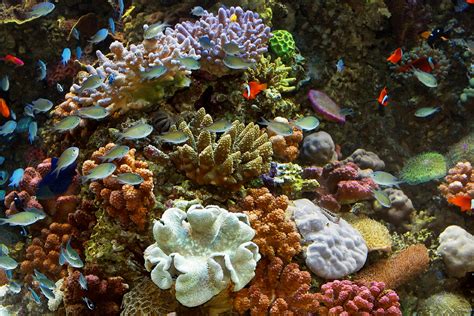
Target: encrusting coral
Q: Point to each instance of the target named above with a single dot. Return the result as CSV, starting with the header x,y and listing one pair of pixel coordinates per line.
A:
x,y
201,252
123,201
277,289
398,269
236,156
275,233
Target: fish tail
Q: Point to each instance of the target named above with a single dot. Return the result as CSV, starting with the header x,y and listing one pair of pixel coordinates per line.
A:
x,y
3,221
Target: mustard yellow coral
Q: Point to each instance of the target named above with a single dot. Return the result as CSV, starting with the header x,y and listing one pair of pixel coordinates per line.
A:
x,y
375,234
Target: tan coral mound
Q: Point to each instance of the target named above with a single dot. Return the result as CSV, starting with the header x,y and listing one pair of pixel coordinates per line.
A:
x,y
123,201
398,269
277,289
238,155
459,182
275,233
286,148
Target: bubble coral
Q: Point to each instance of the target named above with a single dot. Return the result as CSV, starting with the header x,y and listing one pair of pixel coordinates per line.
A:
x,y
286,148
349,298
105,293
43,252
201,252
275,234
458,182
123,201
277,289
238,155
398,269
423,168
283,44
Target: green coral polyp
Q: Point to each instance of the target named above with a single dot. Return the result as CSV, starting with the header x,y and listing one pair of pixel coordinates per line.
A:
x,y
283,44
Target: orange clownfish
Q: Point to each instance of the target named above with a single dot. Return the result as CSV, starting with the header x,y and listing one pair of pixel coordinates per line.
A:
x,y
425,64
253,88
464,202
12,59
383,97
396,56
4,110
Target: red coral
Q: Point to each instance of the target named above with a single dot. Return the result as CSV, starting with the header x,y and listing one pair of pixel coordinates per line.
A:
x,y
277,289
83,219
105,293
348,298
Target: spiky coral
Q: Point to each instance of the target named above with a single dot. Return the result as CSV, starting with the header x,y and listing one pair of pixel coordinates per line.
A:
x,y
277,289
275,234
238,155
398,269
123,201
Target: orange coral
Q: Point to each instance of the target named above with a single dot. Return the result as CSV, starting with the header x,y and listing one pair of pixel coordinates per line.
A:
x,y
123,201
276,235
459,183
277,289
399,269
286,148
43,252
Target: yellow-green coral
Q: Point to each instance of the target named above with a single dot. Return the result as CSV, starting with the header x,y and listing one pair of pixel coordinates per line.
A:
x,y
274,73
283,44
375,234
238,155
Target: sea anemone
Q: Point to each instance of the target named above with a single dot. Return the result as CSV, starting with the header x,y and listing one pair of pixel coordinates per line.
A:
x,y
423,168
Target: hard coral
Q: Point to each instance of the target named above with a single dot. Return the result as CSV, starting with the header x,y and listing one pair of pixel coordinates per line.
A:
x,y
459,182
456,246
277,289
398,269
105,293
275,234
318,148
285,148
400,210
375,234
283,44
238,155
201,252
123,201
349,298
43,252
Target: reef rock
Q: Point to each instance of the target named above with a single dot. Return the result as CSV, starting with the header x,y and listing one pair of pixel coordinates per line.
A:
x,y
318,148
456,246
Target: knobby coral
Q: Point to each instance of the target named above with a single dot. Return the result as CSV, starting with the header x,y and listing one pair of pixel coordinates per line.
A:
x,y
275,234
123,201
238,155
277,289
204,250
286,148
459,182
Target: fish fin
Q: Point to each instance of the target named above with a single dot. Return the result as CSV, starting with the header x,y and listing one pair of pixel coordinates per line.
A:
x,y
3,221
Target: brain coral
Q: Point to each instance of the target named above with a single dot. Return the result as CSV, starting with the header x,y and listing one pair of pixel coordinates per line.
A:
x,y
283,44
123,201
203,250
238,155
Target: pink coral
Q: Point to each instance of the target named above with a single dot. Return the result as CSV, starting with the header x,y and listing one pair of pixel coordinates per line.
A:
x,y
348,298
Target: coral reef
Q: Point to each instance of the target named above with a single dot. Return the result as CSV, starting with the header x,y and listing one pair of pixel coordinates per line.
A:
x,y
238,155
366,160
275,234
445,303
423,168
459,182
398,269
123,201
283,44
348,298
468,92
204,250
334,249
318,148
277,289
456,246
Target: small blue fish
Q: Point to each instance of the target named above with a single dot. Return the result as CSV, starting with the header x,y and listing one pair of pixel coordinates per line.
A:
x,y
153,72
47,292
16,178
198,11
238,63
67,158
65,56
75,33
89,303
427,111
205,42
2,195
44,280
5,83
41,105
2,160
35,296
7,128
460,6
12,115
3,177
154,30
14,287
28,217
121,8
59,87
41,70
32,131
78,52
111,79
112,26
9,274
65,258
7,263
340,65
23,123
82,282
99,36
28,110
385,179
41,9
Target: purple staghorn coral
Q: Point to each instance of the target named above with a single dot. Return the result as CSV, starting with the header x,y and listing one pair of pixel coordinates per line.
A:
x,y
233,25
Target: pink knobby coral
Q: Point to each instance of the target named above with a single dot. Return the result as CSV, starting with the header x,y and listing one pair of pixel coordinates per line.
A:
x,y
348,298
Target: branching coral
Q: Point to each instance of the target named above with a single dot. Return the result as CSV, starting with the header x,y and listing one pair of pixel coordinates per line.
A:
x,y
123,201
277,289
275,234
398,269
204,250
238,155
459,182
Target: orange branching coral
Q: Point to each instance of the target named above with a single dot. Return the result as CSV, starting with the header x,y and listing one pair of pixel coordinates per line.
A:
x,y
43,252
276,235
123,201
286,148
459,183
277,289
399,269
